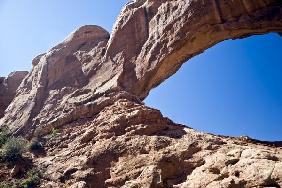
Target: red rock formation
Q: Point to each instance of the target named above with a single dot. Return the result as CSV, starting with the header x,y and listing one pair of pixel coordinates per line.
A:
x,y
169,33
8,88
91,85
127,144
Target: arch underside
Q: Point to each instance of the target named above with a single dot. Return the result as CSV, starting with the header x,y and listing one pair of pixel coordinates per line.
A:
x,y
171,32
91,85
149,43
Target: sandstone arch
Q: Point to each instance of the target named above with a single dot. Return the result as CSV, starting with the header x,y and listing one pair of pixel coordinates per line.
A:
x,y
235,71
165,34
91,85
149,43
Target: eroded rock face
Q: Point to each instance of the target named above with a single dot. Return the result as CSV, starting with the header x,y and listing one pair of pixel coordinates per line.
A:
x,y
8,88
150,41
164,34
91,85
63,72
128,144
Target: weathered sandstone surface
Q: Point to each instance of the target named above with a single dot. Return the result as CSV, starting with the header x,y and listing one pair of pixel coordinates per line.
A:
x,y
8,88
128,144
90,87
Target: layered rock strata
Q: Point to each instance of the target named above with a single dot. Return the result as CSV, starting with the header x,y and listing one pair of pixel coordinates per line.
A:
x,y
90,88
127,144
150,42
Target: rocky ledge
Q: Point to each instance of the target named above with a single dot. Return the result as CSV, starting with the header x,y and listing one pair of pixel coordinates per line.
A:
x,y
83,98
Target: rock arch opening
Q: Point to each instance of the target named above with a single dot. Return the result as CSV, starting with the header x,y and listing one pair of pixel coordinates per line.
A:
x,y
149,43
232,89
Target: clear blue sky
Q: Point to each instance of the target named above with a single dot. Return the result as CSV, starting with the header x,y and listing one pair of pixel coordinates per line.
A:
x,y
233,88
31,27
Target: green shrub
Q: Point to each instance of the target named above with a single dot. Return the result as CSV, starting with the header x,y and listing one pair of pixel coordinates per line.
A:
x,y
55,132
7,185
4,135
32,179
13,149
35,145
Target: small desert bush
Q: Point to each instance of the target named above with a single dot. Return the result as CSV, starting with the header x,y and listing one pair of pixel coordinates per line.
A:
x,y
4,135
32,179
55,132
35,145
7,185
13,149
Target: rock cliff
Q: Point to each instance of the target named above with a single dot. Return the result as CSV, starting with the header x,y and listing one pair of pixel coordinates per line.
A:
x,y
90,89
8,88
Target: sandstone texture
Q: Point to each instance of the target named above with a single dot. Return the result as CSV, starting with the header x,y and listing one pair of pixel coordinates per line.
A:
x,y
128,144
90,88
8,88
